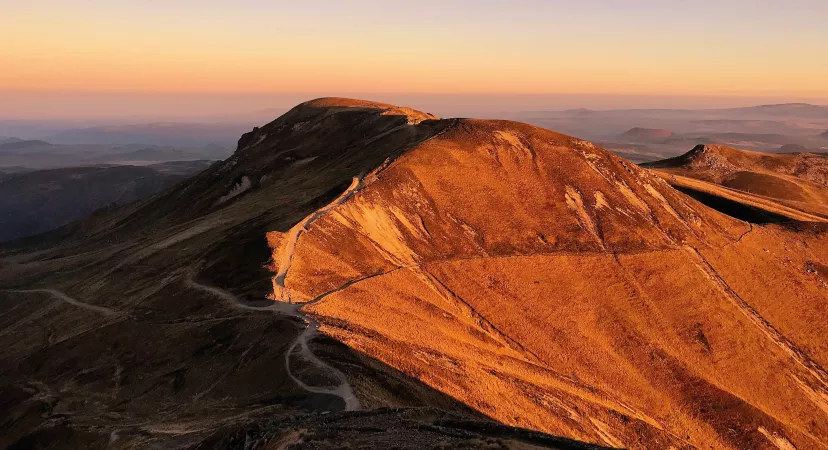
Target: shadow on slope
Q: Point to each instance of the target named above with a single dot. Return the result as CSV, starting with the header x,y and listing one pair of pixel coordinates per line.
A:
x,y
734,209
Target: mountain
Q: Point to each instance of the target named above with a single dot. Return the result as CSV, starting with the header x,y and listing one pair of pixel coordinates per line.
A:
x,y
638,134
824,135
488,269
788,184
33,202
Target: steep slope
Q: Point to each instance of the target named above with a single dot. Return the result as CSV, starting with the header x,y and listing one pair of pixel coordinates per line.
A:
x,y
551,285
794,185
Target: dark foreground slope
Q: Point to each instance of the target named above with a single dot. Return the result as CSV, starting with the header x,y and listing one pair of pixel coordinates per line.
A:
x,y
146,326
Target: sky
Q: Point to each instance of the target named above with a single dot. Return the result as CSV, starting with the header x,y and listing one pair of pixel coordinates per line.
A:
x,y
122,57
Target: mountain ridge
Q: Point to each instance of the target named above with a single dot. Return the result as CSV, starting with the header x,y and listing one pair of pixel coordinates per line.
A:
x,y
793,180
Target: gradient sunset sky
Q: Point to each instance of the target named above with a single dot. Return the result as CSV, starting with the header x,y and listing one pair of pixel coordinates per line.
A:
x,y
699,51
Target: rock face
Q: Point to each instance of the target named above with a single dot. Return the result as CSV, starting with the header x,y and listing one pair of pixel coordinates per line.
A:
x,y
551,285
484,268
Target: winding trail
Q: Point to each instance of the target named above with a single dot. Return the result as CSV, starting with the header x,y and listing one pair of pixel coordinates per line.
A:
x,y
289,247
67,299
282,304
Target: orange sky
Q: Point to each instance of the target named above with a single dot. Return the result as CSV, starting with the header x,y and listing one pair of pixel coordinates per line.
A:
x,y
634,47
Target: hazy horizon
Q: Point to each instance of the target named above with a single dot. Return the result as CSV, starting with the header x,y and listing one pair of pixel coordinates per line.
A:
x,y
184,59
153,106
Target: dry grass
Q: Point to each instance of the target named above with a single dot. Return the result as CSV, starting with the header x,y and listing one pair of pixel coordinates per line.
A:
x,y
551,285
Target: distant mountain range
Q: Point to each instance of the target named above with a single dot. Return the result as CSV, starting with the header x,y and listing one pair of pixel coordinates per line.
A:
x,y
167,133
661,133
8,140
800,110
38,154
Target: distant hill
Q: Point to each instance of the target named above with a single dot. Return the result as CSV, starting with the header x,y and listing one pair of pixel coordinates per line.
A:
x,y
37,201
784,110
6,139
22,145
793,148
646,134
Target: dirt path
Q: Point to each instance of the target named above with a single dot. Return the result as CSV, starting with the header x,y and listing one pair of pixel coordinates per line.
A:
x,y
67,299
290,309
287,250
283,305
343,390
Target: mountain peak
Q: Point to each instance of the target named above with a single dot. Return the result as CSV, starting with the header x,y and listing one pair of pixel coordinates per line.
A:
x,y
413,115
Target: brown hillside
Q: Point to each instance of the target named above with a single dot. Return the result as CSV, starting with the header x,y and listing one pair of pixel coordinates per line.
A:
x,y
551,285
145,326
775,182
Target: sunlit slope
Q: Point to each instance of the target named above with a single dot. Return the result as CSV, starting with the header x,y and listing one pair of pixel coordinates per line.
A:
x,y
552,285
794,185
